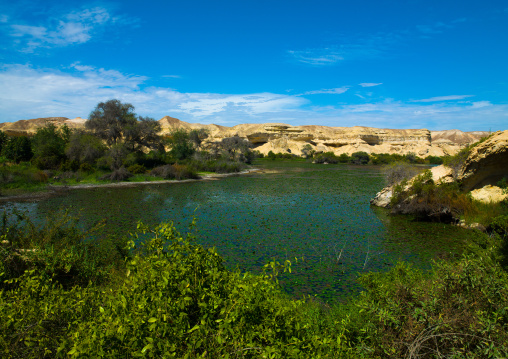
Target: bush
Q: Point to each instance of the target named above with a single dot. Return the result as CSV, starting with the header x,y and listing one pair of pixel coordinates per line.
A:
x,y
434,160
136,169
428,201
360,158
175,171
57,249
326,157
344,158
120,174
86,167
396,172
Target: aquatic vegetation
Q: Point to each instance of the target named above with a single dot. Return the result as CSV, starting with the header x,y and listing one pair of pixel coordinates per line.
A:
x,y
318,214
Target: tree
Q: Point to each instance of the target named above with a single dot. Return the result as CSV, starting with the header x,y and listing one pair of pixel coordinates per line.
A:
x,y
84,147
198,136
238,149
49,144
180,143
18,149
144,133
3,139
110,119
307,151
116,123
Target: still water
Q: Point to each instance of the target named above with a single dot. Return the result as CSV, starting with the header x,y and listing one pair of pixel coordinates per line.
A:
x,y
319,214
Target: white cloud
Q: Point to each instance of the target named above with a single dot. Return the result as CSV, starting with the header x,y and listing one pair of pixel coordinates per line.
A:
x,y
26,92
370,84
480,104
444,98
73,28
4,18
334,91
317,57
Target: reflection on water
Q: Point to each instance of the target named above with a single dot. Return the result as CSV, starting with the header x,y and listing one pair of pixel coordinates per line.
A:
x,y
319,214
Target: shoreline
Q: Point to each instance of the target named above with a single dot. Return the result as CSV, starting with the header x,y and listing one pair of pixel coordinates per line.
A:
x,y
52,190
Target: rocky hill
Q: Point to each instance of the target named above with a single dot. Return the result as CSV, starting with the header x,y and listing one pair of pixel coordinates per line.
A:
x,y
484,167
279,137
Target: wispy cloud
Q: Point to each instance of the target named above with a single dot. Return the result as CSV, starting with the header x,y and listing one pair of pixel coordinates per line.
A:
x,y
27,92
438,27
346,49
370,84
317,57
335,91
73,28
444,98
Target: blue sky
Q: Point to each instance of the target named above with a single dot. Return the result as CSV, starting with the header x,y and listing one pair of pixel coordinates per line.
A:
x,y
387,64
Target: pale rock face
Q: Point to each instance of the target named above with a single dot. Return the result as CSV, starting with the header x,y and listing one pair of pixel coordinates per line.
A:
x,y
489,194
487,163
283,138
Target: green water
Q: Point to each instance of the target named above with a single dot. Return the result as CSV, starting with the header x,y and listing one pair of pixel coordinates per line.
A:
x,y
319,214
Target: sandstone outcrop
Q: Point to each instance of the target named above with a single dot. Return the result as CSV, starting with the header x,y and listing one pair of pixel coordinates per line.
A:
x,y
487,163
489,194
283,138
440,174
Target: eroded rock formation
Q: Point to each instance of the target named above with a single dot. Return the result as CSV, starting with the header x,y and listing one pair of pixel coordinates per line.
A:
x,y
283,138
486,164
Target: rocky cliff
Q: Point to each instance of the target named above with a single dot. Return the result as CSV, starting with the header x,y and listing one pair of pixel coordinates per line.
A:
x,y
279,137
486,165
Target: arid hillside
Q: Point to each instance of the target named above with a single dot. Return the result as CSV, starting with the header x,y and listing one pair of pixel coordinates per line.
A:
x,y
278,137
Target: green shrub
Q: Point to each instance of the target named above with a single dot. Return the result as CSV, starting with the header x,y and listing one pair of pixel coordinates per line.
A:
x,y
136,169
57,249
326,157
86,167
18,149
360,158
399,171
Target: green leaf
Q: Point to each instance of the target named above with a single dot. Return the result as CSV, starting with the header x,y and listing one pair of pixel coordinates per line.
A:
x,y
147,347
151,320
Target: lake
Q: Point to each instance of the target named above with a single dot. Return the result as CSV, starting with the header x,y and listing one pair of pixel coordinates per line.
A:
x,y
319,214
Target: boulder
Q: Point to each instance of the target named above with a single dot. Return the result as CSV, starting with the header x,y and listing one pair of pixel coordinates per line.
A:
x,y
489,194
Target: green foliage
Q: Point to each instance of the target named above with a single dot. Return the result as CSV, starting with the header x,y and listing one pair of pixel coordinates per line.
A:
x,y
3,139
503,184
307,151
57,249
49,144
173,298
326,157
136,169
434,160
180,143
457,310
175,171
237,149
85,147
18,149
396,172
344,158
360,158
426,200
